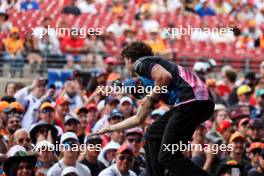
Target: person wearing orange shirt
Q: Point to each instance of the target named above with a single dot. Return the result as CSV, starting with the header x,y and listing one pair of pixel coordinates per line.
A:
x,y
14,47
156,43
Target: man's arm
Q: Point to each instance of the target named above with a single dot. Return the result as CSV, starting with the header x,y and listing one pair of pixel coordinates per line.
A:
x,y
142,113
161,77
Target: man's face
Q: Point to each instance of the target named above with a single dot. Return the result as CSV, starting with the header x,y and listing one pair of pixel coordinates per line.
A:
x,y
42,131
24,169
63,109
126,108
23,139
47,114
136,140
221,115
94,152
118,136
238,146
72,126
71,149
255,133
83,118
13,124
129,64
124,161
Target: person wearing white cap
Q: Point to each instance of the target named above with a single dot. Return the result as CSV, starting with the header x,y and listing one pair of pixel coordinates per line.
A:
x,y
126,106
70,171
69,144
46,157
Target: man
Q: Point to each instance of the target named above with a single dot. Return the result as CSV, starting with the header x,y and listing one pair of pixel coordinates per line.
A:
x,y
69,142
178,124
22,138
124,162
259,171
126,106
61,109
254,153
255,129
238,141
13,121
93,144
134,137
47,114
31,97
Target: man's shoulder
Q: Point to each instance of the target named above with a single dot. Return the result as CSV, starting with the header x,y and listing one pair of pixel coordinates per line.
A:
x,y
54,170
83,167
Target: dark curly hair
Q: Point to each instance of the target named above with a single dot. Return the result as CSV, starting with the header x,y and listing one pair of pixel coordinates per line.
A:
x,y
135,50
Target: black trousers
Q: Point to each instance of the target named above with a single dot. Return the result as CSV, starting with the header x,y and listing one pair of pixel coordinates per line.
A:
x,y
174,127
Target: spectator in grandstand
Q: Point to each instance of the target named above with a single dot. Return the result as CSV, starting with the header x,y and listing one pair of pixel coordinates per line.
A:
x,y
126,106
245,13
46,157
33,53
14,47
87,6
155,42
13,121
225,129
223,35
31,97
109,111
198,138
129,36
252,29
9,4
222,7
255,127
19,162
73,46
134,137
94,144
254,151
73,94
10,89
149,23
220,114
61,109
30,5
124,162
243,94
238,143
92,116
259,107
201,34
209,160
211,83
226,87
43,131
70,152
117,7
22,138
72,123
204,9
6,25
153,7
46,38
72,8
230,167
242,126
108,153
118,26
258,171
260,16
259,42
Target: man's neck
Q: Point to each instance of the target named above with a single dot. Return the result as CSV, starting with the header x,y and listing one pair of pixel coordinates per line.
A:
x,y
236,157
69,161
91,159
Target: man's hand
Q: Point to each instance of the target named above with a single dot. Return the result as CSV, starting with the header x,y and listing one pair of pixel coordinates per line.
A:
x,y
104,130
